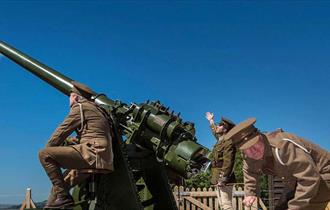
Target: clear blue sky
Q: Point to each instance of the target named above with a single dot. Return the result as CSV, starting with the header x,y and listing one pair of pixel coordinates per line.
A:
x,y
240,59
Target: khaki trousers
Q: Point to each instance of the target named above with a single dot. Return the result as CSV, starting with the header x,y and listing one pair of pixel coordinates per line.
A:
x,y
225,200
53,159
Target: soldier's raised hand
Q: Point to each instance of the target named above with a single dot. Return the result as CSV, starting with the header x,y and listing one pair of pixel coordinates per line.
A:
x,y
209,116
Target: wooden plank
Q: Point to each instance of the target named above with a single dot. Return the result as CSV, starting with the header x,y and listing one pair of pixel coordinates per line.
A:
x,y
234,199
204,200
240,199
216,200
181,200
234,202
176,195
187,203
198,203
198,198
203,194
193,207
210,199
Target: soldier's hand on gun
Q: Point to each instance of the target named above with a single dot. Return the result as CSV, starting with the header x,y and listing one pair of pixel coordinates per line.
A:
x,y
249,200
209,116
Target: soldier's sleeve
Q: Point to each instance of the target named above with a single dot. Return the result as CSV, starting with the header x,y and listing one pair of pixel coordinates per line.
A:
x,y
229,152
251,175
303,167
213,128
70,123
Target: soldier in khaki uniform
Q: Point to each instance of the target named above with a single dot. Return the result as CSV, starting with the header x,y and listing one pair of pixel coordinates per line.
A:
x,y
305,165
223,161
93,149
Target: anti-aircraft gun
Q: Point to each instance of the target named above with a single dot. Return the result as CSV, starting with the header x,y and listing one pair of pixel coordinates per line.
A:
x,y
149,141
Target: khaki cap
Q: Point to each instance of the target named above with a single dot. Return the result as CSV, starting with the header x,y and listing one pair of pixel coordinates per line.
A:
x,y
82,90
244,135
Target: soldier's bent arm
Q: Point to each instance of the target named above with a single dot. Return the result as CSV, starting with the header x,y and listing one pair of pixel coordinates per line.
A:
x,y
251,174
303,168
213,128
71,123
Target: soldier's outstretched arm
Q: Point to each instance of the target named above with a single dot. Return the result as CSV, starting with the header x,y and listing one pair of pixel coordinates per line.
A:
x,y
71,123
251,175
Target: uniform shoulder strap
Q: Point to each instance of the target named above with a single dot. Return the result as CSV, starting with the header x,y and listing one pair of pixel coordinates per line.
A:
x,y
278,157
298,145
293,142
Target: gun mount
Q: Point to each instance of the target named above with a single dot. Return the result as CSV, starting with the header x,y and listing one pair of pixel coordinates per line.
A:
x,y
149,140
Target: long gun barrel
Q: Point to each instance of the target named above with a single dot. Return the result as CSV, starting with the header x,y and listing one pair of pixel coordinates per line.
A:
x,y
44,72
49,75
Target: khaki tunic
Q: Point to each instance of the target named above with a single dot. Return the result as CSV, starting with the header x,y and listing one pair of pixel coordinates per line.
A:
x,y
307,166
223,160
94,131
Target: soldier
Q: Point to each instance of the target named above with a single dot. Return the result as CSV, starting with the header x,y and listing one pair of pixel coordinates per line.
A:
x,y
305,165
223,161
93,150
